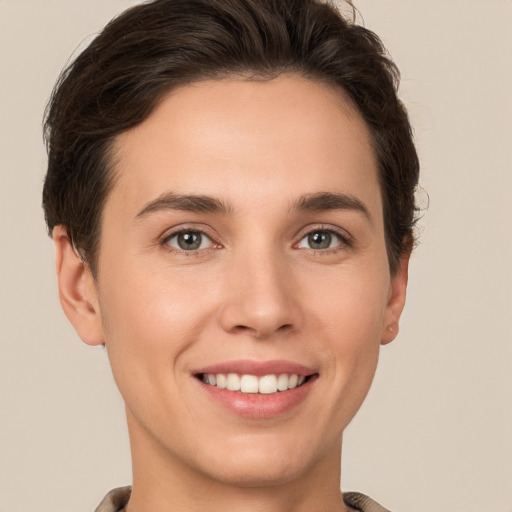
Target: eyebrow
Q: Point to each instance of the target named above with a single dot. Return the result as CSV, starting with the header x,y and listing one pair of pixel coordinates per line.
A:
x,y
318,202
185,202
325,201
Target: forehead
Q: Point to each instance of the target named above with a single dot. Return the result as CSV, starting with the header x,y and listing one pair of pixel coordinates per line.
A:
x,y
247,139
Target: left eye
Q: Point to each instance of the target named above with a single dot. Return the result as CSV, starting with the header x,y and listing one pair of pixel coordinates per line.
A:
x,y
320,239
189,241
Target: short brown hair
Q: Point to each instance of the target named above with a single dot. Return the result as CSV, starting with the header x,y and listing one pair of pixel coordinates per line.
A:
x,y
117,81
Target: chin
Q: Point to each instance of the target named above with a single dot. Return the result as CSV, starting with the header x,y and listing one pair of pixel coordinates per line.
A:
x,y
262,465
249,475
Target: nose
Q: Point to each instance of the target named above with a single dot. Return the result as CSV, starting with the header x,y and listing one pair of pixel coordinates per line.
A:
x,y
260,298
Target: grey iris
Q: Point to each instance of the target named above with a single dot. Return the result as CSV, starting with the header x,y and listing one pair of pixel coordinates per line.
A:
x,y
189,241
319,240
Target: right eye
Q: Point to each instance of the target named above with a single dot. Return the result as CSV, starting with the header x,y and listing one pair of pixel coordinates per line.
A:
x,y
189,240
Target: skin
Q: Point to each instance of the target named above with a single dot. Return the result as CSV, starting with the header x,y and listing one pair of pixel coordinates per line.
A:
x,y
258,290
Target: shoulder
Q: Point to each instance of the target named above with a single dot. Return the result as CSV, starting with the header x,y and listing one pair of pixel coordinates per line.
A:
x,y
362,502
115,500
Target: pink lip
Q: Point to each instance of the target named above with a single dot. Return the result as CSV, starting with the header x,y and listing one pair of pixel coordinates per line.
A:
x,y
258,368
255,405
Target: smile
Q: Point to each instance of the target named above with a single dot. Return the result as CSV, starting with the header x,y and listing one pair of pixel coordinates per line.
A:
x,y
265,385
257,389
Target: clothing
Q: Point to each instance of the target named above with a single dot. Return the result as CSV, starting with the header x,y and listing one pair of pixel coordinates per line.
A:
x,y
117,499
362,502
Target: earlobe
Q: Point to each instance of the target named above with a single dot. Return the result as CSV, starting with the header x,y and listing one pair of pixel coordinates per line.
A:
x,y
396,302
77,291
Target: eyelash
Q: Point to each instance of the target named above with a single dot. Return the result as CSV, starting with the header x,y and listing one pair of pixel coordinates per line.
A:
x,y
167,238
345,240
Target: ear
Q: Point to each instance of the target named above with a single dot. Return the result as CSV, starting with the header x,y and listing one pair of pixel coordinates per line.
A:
x,y
77,290
396,301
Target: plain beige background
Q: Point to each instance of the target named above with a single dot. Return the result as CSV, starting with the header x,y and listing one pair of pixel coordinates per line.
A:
x,y
435,434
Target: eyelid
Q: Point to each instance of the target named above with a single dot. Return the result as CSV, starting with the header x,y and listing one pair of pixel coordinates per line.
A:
x,y
345,237
168,234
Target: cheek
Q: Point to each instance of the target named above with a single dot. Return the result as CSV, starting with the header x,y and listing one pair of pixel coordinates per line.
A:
x,y
350,303
352,329
152,301
349,313
149,320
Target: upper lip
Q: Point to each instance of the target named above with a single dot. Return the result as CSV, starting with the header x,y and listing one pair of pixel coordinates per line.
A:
x,y
257,368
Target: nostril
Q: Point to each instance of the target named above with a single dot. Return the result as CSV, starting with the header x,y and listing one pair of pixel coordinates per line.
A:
x,y
261,332
242,328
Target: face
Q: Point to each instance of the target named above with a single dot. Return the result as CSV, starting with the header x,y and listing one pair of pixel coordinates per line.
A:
x,y
243,245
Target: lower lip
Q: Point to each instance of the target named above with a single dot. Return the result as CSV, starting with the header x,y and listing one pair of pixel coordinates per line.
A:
x,y
259,406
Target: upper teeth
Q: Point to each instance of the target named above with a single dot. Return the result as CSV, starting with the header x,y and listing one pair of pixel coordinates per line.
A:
x,y
266,384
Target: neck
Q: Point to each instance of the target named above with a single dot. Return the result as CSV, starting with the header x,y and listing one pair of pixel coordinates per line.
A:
x,y
163,482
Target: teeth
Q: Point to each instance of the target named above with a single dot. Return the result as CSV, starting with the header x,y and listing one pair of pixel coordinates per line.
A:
x,y
282,382
266,385
233,382
249,384
221,381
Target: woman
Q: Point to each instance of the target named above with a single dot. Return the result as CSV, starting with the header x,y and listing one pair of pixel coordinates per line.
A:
x,y
230,191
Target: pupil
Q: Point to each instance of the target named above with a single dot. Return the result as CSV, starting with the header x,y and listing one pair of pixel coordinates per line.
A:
x,y
319,240
189,241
